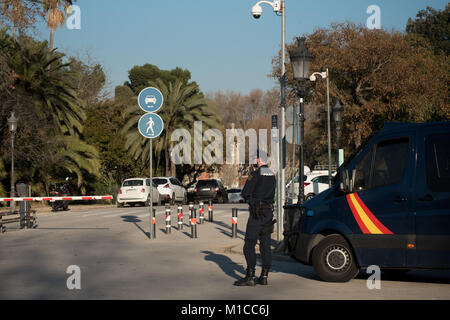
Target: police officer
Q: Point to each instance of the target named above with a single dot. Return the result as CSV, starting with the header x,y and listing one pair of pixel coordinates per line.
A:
x,y
259,191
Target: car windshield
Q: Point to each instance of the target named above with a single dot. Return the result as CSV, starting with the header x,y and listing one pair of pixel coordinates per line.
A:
x,y
133,183
206,183
159,181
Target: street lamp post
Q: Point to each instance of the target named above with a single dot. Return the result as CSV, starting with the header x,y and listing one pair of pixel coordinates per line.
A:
x,y
279,6
12,122
301,59
337,115
313,78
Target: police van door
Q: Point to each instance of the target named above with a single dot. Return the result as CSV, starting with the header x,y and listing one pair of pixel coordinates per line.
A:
x,y
432,200
381,205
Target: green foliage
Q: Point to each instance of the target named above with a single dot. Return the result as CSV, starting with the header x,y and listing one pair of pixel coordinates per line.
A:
x,y
434,26
42,75
140,76
2,177
103,125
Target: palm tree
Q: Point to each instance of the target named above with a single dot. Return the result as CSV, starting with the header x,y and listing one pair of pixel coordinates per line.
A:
x,y
73,156
42,74
183,104
56,15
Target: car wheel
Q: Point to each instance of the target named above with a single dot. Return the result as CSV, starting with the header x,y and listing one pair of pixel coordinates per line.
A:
x,y
333,260
310,196
172,200
185,199
147,203
119,205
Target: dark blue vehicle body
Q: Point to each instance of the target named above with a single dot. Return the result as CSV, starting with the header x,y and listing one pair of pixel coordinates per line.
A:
x,y
398,213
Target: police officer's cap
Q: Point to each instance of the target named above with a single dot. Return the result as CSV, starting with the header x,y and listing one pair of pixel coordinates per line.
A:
x,y
260,154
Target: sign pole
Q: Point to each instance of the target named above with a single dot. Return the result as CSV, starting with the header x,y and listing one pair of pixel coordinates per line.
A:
x,y
153,236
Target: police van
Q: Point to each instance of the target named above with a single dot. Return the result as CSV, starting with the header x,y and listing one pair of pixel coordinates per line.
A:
x,y
389,206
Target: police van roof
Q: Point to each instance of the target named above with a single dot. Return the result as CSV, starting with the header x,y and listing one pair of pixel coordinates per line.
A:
x,y
404,125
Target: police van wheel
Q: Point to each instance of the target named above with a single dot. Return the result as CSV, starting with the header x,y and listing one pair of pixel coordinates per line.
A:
x,y
333,260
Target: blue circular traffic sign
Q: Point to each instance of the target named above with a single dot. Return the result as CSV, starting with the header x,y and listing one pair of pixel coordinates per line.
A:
x,y
151,125
150,99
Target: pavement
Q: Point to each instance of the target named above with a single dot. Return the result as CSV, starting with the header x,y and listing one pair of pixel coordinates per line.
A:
x,y
118,260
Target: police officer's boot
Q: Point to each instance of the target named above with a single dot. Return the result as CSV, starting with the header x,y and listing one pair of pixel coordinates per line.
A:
x,y
249,279
262,280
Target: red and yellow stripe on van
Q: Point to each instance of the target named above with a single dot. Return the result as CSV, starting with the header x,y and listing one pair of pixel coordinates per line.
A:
x,y
366,220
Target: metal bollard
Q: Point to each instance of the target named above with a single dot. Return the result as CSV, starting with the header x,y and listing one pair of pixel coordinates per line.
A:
x,y
194,224
191,207
180,218
153,224
201,210
234,221
210,211
168,221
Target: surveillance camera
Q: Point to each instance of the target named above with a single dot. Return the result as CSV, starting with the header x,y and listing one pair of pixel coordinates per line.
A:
x,y
312,78
256,11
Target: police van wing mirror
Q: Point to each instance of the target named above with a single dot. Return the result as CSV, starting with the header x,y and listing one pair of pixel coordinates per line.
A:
x,y
346,182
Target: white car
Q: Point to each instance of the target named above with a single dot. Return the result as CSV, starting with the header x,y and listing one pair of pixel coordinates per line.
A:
x,y
137,191
315,183
171,189
150,99
235,195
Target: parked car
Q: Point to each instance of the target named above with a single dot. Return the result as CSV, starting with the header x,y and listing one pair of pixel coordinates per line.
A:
x,y
171,189
314,183
137,191
235,196
211,189
190,193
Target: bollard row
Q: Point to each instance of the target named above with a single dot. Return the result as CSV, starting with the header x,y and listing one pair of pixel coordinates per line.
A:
x,y
194,220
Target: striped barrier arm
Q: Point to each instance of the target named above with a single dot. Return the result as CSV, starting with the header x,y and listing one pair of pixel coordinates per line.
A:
x,y
56,198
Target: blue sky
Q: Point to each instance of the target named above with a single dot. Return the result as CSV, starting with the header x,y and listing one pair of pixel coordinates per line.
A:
x,y
217,40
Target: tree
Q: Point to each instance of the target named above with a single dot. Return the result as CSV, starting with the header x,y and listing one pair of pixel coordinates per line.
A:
x,y
378,76
21,14
50,114
116,163
41,74
433,25
183,105
88,80
140,76
56,15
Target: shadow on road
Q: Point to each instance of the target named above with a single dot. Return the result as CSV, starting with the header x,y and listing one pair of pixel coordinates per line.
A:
x,y
228,266
135,220
236,271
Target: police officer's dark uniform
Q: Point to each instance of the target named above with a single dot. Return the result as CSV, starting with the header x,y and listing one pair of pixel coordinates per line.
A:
x,y
259,191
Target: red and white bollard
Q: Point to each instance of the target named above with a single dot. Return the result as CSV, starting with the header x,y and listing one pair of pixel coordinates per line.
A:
x,y
153,224
180,218
194,224
201,212
210,211
168,221
234,221
191,208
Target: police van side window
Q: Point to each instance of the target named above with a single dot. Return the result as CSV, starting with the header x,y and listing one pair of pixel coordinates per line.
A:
x,y
363,169
390,162
437,161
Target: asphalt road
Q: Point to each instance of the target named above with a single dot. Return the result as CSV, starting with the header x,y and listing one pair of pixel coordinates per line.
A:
x,y
117,260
